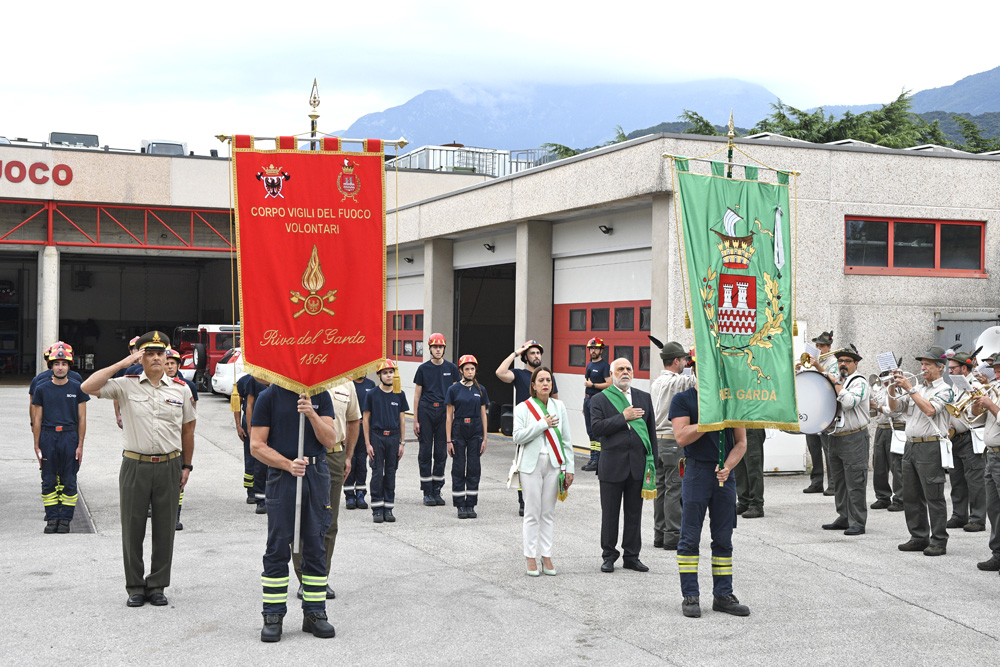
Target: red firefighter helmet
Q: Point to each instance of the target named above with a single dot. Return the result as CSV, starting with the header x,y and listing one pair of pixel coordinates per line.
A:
x,y
173,354
131,343
467,359
528,344
436,339
595,342
61,351
385,364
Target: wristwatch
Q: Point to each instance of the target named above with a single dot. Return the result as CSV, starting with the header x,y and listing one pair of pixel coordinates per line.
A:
x,y
187,466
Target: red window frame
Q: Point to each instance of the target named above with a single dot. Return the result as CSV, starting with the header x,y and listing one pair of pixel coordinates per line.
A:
x,y
563,337
891,270
413,335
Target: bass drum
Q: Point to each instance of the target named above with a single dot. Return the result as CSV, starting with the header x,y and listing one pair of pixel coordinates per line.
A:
x,y
818,405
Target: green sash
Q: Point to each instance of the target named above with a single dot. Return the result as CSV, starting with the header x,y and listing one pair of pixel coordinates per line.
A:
x,y
620,403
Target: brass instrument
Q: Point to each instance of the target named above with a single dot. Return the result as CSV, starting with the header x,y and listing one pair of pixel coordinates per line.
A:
x,y
965,410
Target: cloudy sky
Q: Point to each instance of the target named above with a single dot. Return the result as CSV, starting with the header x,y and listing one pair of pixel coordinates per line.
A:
x,y
189,71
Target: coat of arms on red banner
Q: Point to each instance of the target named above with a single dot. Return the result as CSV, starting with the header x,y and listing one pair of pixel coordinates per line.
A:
x,y
737,304
303,249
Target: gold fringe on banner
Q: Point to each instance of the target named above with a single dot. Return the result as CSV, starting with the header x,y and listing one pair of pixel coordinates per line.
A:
x,y
299,388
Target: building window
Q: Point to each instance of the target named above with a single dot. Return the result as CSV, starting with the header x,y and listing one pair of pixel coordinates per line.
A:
x,y
397,347
599,319
644,358
418,347
914,247
408,322
578,356
624,319
578,320
644,318
626,352
418,322
397,322
407,348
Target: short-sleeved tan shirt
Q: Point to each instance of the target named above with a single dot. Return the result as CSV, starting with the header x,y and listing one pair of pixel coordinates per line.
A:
x,y
345,409
152,415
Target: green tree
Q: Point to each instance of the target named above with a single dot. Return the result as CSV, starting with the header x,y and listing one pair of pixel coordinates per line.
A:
x,y
974,140
699,125
560,151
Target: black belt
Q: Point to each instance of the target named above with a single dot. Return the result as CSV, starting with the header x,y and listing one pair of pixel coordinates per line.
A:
x,y
711,465
389,432
59,429
469,420
433,405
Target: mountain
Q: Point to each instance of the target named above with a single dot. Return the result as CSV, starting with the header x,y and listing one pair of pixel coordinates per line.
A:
x,y
975,94
572,115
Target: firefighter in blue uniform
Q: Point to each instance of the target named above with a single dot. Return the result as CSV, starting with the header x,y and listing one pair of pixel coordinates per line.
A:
x,y
354,485
254,472
58,430
384,429
44,377
274,441
466,429
596,378
706,487
172,368
432,381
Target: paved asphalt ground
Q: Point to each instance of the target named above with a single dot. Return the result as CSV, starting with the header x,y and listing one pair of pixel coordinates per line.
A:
x,y
431,589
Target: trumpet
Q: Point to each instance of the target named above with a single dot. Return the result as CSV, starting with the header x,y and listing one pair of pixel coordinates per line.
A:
x,y
965,409
890,380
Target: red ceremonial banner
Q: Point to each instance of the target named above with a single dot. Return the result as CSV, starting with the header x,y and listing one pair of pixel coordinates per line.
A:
x,y
310,242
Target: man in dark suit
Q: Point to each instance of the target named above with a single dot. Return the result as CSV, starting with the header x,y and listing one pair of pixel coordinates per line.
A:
x,y
624,457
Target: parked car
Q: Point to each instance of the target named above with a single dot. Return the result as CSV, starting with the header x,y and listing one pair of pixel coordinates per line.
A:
x,y
206,345
227,372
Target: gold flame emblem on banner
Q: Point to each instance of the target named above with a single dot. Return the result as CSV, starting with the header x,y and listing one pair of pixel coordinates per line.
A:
x,y
312,282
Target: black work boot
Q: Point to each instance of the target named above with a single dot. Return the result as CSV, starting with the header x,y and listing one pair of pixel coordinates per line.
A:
x,y
315,622
378,515
63,526
730,605
362,505
51,526
387,515
691,606
272,628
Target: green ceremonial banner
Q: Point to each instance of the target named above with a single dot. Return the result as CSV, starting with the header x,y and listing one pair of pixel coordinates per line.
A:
x,y
738,245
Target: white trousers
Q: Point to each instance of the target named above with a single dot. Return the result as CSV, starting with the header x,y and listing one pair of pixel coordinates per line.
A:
x,y
540,488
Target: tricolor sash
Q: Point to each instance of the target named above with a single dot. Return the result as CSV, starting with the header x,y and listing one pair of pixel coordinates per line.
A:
x,y
537,410
620,403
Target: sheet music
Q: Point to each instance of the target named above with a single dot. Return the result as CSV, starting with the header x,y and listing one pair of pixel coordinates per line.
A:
x,y
961,383
812,350
987,370
886,362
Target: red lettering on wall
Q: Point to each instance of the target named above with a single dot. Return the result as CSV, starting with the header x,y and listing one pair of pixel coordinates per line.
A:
x,y
33,173
9,171
62,174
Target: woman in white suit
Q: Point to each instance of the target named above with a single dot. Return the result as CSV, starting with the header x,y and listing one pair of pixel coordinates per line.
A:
x,y
541,464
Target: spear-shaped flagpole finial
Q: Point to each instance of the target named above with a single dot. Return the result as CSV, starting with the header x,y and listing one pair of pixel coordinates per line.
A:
x,y
732,126
314,96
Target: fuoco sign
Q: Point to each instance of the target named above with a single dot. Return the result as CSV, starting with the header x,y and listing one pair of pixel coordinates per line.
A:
x,y
38,173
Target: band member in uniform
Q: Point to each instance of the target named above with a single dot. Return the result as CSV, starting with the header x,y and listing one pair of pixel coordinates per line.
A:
x,y
596,378
968,488
923,476
347,421
991,436
667,506
531,356
818,445
42,377
849,444
623,418
384,427
274,439
542,429
355,488
159,421
59,429
172,369
466,429
884,461
701,491
432,381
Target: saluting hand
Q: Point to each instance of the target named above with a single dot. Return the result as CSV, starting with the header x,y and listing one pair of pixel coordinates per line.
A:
x,y
131,359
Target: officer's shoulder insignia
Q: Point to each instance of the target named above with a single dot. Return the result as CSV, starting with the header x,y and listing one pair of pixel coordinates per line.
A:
x,y
178,380
131,376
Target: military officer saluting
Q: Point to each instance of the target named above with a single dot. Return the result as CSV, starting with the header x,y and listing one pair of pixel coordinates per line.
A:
x,y
429,415
159,421
274,438
59,428
849,444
